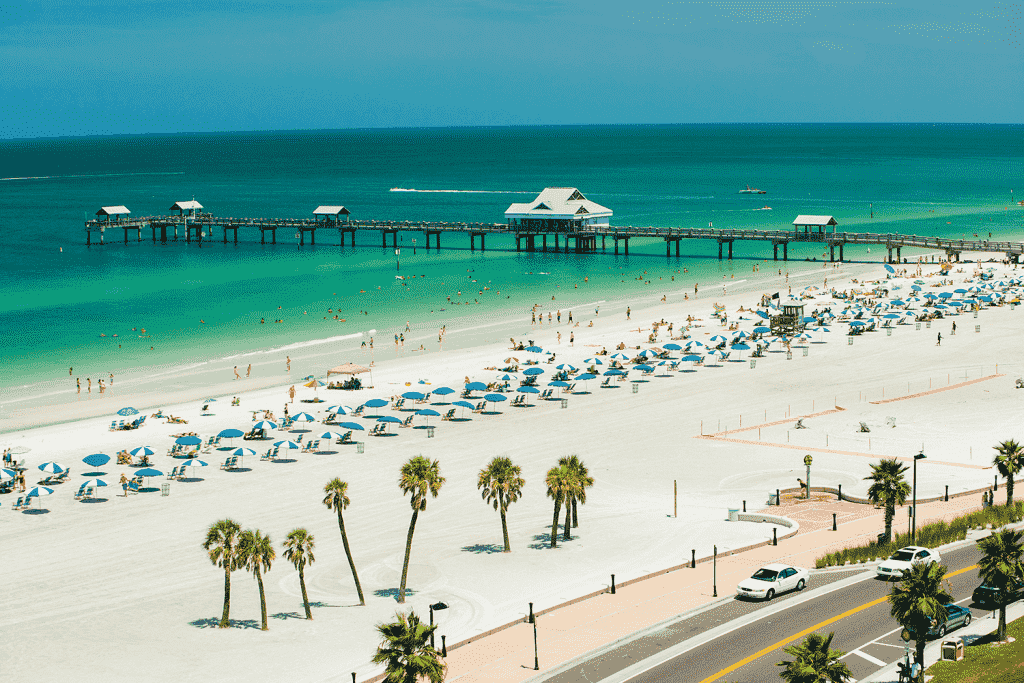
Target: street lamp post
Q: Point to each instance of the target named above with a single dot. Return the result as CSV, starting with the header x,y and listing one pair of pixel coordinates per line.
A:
x,y
807,461
436,606
714,573
913,523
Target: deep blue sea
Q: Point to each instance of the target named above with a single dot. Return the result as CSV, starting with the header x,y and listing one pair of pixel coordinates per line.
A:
x,y
57,297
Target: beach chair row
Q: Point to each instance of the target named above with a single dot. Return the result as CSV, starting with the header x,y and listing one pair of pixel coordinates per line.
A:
x,y
59,478
119,425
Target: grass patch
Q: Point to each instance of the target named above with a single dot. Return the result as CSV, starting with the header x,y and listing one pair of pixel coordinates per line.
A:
x,y
929,535
984,663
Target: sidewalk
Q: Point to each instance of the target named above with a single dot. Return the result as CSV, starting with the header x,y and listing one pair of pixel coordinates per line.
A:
x,y
572,631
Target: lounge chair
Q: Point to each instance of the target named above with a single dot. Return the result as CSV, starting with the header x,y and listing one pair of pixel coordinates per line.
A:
x,y
379,429
397,405
407,423
22,503
480,407
269,455
607,382
346,438
546,394
449,415
569,389
519,400
331,419
312,447
358,410
84,493
230,463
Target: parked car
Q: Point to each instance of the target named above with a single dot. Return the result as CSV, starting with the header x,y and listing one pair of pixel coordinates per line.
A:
x,y
956,616
988,596
903,559
772,579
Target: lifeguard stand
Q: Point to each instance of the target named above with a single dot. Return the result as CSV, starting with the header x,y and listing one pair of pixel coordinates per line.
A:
x,y
790,322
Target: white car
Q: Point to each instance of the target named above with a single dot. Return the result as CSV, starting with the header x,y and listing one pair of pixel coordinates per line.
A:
x,y
772,579
903,559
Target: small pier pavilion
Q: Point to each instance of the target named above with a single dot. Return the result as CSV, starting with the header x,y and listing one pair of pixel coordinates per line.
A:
x,y
110,217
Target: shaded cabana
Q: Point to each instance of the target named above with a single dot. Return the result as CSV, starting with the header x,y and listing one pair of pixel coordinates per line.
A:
x,y
108,213
815,224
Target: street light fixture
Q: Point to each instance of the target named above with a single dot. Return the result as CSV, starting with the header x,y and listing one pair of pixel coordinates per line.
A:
x,y
436,606
807,461
913,523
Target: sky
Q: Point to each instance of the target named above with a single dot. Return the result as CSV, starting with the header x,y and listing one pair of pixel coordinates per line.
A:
x,y
100,67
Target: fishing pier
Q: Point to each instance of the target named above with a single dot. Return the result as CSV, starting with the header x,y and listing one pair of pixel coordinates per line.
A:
x,y
531,233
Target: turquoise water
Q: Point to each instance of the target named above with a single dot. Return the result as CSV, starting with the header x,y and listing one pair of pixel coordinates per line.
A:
x,y
58,296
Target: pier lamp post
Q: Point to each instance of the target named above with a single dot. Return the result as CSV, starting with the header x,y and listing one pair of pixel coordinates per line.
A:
x,y
913,523
807,461
436,606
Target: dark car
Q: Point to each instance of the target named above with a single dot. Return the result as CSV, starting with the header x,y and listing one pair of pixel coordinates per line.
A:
x,y
988,596
956,616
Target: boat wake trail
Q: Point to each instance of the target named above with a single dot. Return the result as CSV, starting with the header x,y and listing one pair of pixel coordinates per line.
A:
x,y
412,189
91,175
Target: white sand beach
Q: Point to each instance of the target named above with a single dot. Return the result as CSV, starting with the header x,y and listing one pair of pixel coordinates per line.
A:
x,y
121,589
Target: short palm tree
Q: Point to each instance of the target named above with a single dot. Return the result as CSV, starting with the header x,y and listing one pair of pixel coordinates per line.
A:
x,y
815,662
256,554
918,601
888,488
1009,460
583,481
1001,567
222,546
420,476
560,482
298,549
500,484
336,499
406,652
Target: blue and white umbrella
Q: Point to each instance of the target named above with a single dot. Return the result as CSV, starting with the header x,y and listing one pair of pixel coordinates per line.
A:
x,y
693,343
647,353
243,452
290,445
265,425
141,450
593,361
339,410
6,474
51,468
94,483
38,492
303,417
195,462
566,367
619,356
506,377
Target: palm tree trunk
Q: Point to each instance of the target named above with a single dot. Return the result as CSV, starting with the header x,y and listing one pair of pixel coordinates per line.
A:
x,y
408,550
554,523
225,622
919,649
263,600
1002,622
890,512
504,530
1009,490
348,554
305,600
567,527
575,519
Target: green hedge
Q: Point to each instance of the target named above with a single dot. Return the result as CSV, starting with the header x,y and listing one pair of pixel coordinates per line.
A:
x,y
929,535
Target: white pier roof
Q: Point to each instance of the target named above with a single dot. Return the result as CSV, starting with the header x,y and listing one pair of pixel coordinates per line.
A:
x,y
558,202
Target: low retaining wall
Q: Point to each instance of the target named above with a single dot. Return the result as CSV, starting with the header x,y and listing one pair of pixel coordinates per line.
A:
x,y
865,501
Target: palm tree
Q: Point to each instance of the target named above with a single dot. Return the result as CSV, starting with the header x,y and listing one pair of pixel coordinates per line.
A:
x,y
222,546
584,481
337,500
406,652
298,548
815,662
1009,460
559,481
918,601
256,553
1001,567
888,488
500,484
419,477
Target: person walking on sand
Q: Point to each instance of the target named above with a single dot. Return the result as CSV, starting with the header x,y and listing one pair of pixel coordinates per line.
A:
x,y
572,338
291,393
954,329
88,382
559,337
124,485
627,312
237,376
71,371
78,383
111,379
939,343
288,361
248,370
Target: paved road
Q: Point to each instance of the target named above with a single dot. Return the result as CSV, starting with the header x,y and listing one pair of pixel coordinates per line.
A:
x,y
870,636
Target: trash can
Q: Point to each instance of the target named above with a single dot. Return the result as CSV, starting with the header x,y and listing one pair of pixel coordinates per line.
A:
x,y
565,403
806,351
430,432
734,514
928,324
753,363
636,387
888,332
165,489
952,650
849,340
977,328
917,326
789,355
360,447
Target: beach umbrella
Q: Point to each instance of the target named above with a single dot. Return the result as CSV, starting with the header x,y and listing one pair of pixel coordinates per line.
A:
x,y
566,367
195,462
533,371
586,376
389,418
428,413
209,400
443,391
375,403
339,409
243,451
643,368
534,349
289,445
619,356
743,347
142,450
857,323
230,433
464,405
761,329
511,359
559,383
96,459
183,441
693,343
528,390
693,358
916,288
961,290
303,417
314,384
265,425
613,372
890,268
673,347
593,361
505,377
762,314
330,436
94,483
6,474
38,492
413,396
148,472
647,353
718,339
351,425
495,398
476,386
125,412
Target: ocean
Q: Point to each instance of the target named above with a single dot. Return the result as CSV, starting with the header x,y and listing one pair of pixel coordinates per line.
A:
x,y
67,305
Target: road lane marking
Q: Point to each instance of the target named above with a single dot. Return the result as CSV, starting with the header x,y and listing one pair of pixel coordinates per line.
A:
x,y
807,631
874,660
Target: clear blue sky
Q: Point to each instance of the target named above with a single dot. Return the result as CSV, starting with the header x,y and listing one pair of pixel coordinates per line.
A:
x,y
84,67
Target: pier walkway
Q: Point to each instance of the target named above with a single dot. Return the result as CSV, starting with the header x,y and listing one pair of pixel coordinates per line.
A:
x,y
203,226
